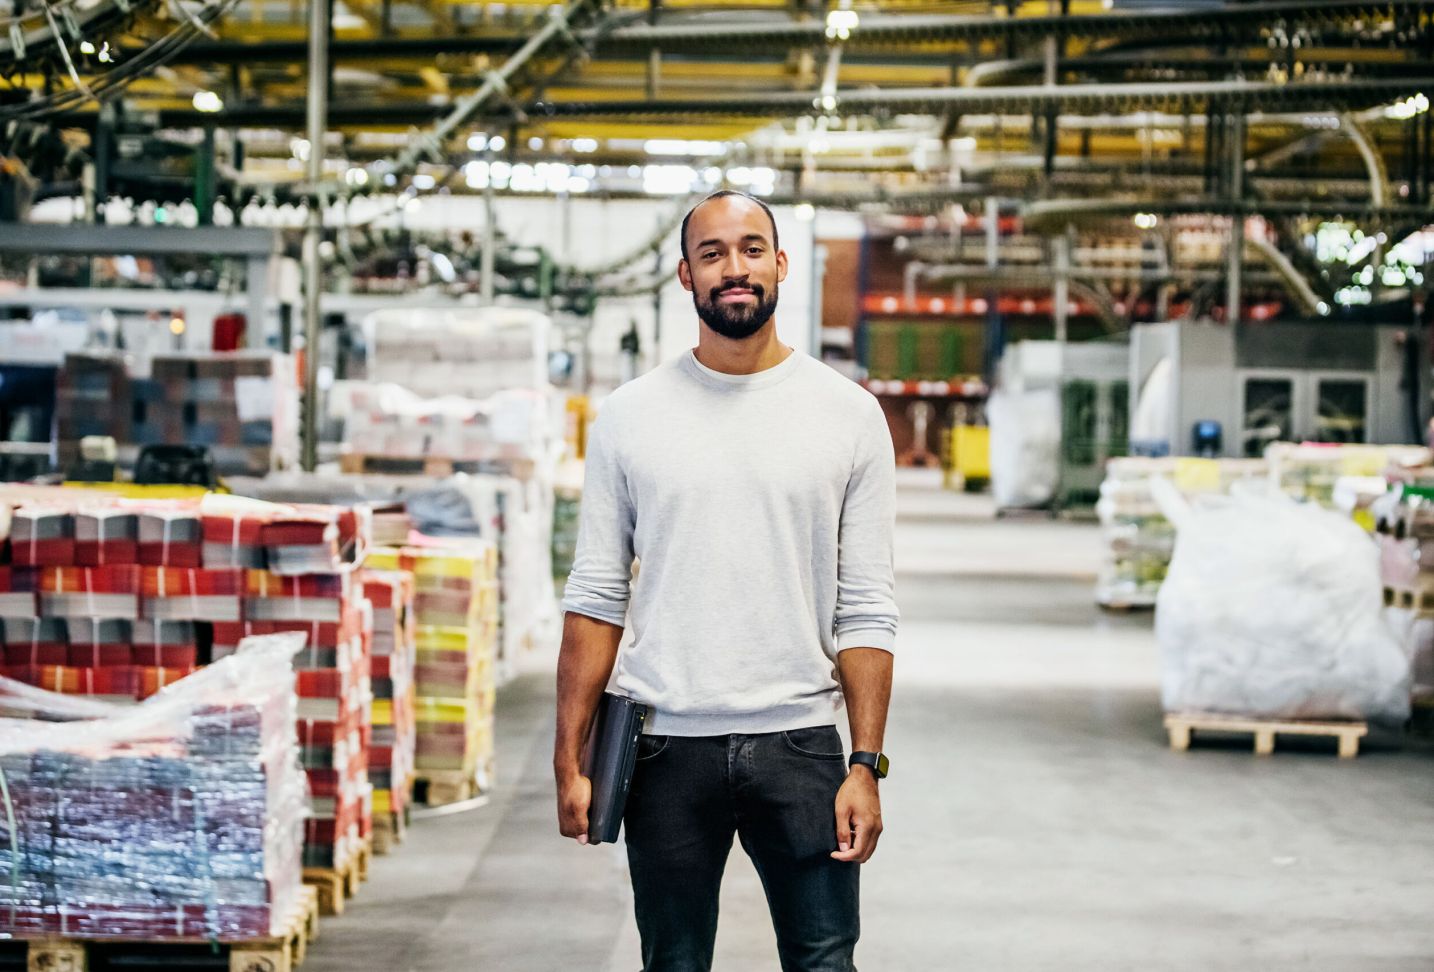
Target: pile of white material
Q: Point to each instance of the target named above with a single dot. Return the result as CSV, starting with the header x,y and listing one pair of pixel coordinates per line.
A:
x,y
1273,608
1025,447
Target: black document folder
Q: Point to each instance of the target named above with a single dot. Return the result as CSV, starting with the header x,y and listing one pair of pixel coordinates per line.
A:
x,y
608,762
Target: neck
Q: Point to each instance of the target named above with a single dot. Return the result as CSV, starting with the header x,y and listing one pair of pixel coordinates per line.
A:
x,y
745,357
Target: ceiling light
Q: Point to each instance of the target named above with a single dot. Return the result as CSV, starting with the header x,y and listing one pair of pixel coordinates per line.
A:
x,y
682,146
208,102
805,212
1146,220
423,181
535,144
477,142
840,24
497,143
86,47
585,145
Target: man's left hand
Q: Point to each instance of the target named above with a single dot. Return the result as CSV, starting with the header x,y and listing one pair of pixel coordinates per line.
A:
x,y
858,817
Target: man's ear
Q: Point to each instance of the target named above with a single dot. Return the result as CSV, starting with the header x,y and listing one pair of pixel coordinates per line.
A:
x,y
781,265
684,275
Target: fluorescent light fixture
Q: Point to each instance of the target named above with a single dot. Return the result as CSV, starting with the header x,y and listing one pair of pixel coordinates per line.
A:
x,y
682,146
497,143
356,176
1415,104
1146,220
476,175
535,144
300,148
668,180
585,145
829,102
578,184
424,182
840,24
86,47
208,101
477,142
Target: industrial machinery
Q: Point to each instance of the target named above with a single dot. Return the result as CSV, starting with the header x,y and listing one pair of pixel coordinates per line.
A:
x,y
1207,389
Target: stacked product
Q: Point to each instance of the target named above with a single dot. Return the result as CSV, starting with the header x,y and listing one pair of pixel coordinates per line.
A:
x,y
242,405
394,741
1312,470
335,699
181,818
86,390
1138,539
456,613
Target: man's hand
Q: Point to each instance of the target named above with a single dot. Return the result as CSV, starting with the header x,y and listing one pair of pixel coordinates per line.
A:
x,y
858,817
575,794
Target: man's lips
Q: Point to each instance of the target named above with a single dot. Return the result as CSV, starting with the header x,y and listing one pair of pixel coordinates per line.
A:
x,y
735,293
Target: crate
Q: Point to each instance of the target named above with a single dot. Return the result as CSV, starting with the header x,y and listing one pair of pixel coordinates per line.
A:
x,y
1183,726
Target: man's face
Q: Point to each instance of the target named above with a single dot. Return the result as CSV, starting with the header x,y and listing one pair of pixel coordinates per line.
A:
x,y
732,267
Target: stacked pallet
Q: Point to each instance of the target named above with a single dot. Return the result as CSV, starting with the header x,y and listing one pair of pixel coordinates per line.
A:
x,y
242,405
394,725
181,820
456,639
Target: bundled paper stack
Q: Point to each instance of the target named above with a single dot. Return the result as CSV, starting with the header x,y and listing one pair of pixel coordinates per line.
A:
x,y
171,537
394,741
316,539
456,615
40,537
234,540
181,818
243,405
192,594
106,536
336,698
91,398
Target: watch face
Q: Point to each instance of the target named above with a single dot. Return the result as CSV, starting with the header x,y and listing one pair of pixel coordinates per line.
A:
x,y
883,765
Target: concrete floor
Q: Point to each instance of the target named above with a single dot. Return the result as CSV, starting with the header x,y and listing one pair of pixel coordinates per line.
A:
x,y
1034,820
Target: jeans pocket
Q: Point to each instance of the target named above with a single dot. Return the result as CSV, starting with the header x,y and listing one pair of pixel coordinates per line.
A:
x,y
815,742
650,747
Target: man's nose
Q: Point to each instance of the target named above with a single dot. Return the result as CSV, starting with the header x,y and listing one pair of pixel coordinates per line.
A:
x,y
733,269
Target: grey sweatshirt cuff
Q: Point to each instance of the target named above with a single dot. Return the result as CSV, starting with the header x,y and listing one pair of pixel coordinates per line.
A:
x,y
883,638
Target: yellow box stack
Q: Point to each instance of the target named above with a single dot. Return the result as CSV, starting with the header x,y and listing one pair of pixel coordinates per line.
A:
x,y
456,609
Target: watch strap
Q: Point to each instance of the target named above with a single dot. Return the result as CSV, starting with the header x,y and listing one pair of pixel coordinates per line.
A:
x,y
877,762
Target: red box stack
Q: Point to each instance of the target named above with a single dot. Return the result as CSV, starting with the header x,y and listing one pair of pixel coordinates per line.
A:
x,y
394,725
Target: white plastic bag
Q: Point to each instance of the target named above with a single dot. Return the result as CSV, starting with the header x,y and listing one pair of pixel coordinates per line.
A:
x,y
1025,447
1273,608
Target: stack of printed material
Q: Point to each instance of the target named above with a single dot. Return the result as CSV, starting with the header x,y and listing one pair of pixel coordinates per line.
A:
x,y
234,540
19,592
456,616
106,536
90,592
192,594
42,537
171,537
394,740
211,764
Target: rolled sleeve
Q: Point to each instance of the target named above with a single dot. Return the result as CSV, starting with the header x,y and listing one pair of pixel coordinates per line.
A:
x,y
866,612
600,582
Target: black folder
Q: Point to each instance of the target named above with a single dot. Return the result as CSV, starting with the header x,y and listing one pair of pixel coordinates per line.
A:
x,y
608,762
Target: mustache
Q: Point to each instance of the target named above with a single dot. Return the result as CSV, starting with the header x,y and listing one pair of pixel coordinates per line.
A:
x,y
757,290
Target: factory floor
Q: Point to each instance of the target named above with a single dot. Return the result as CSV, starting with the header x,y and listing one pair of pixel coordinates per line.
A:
x,y
1035,818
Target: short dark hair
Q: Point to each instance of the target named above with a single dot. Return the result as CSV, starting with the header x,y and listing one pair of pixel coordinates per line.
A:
x,y
720,193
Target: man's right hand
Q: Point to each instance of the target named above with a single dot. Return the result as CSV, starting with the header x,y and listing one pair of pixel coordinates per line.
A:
x,y
575,794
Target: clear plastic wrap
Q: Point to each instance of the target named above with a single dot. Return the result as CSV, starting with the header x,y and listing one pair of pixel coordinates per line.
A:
x,y
180,817
1025,447
1273,608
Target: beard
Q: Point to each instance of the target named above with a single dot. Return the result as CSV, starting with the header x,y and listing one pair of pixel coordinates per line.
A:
x,y
736,321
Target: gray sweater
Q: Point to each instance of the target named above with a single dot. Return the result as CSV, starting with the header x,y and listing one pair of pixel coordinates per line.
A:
x,y
761,510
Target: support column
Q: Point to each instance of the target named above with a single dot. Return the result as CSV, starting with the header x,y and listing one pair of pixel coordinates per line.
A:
x,y
1235,253
1061,291
319,18
490,238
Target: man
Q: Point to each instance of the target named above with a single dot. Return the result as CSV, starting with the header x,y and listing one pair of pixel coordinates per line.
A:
x,y
756,488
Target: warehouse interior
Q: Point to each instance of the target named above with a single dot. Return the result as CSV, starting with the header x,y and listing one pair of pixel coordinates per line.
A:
x,y
307,311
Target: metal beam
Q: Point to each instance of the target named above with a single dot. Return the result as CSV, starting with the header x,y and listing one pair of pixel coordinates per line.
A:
x,y
318,104
229,241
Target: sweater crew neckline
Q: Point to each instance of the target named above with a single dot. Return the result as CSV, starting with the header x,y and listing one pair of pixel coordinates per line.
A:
x,y
721,379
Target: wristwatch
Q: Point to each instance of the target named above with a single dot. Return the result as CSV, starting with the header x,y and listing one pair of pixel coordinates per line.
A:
x,y
877,761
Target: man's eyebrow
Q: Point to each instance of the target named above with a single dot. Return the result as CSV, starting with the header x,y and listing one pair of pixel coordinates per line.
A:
x,y
748,238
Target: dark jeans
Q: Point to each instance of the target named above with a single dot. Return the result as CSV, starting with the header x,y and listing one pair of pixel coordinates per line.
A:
x,y
777,792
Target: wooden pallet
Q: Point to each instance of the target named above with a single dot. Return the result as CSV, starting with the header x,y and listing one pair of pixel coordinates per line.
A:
x,y
335,885
279,953
437,788
1420,601
358,463
1182,726
389,830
